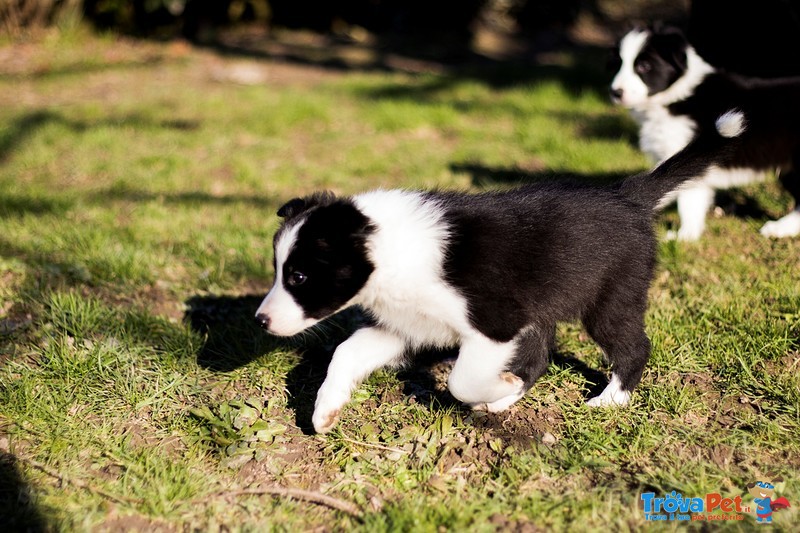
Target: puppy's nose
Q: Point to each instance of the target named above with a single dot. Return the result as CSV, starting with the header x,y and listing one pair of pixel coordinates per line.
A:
x,y
262,320
616,94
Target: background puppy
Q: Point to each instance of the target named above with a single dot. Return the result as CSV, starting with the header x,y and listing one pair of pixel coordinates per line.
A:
x,y
490,273
674,95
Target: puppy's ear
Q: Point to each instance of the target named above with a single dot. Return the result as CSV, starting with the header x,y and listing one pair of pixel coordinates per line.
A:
x,y
671,44
292,208
678,58
296,206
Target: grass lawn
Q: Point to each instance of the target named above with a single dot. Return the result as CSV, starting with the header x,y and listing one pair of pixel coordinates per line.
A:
x,y
138,189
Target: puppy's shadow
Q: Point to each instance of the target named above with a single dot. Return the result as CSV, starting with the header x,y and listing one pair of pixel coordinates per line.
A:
x,y
426,381
596,379
233,339
736,203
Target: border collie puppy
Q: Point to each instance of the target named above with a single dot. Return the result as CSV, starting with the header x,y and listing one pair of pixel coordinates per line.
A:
x,y
490,273
674,95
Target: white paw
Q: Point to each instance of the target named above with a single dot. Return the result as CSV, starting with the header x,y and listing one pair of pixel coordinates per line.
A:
x,y
327,409
324,421
788,226
611,395
502,404
507,401
512,379
683,235
689,234
478,391
604,401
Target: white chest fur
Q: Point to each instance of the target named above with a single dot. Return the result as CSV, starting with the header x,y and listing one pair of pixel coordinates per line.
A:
x,y
661,134
407,293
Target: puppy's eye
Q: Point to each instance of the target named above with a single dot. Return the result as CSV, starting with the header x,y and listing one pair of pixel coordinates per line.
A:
x,y
297,278
643,67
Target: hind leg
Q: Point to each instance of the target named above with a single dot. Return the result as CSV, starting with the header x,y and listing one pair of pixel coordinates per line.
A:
x,y
532,354
788,225
617,325
480,377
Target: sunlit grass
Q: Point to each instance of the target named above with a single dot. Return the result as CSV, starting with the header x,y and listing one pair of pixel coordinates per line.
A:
x,y
137,207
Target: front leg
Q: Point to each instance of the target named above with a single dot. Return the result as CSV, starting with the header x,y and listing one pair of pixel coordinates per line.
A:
x,y
367,350
693,205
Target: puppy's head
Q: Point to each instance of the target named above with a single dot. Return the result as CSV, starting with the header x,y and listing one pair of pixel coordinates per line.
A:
x,y
321,263
647,62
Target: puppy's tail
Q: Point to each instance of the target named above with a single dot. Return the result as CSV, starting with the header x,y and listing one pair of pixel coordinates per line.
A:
x,y
710,146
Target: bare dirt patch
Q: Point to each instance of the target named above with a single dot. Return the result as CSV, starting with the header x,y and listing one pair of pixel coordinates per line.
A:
x,y
299,463
522,427
134,522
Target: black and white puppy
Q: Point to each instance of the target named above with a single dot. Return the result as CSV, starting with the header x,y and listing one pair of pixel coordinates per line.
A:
x,y
674,94
490,273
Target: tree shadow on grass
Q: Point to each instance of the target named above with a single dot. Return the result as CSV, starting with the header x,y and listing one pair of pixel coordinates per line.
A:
x,y
25,126
611,125
16,499
16,205
454,61
483,175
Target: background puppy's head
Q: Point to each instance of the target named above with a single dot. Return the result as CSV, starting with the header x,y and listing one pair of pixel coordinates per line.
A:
x,y
321,263
647,62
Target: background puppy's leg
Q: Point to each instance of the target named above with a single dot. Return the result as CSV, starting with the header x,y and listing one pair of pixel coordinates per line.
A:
x,y
480,375
788,225
367,350
616,323
693,205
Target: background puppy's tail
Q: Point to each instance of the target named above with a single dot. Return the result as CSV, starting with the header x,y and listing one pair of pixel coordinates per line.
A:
x,y
710,146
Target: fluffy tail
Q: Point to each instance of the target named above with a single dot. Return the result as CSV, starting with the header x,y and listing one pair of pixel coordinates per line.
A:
x,y
709,147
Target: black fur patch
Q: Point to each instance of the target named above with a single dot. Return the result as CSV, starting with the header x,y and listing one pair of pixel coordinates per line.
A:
x,y
527,258
537,259
772,108
330,251
662,60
